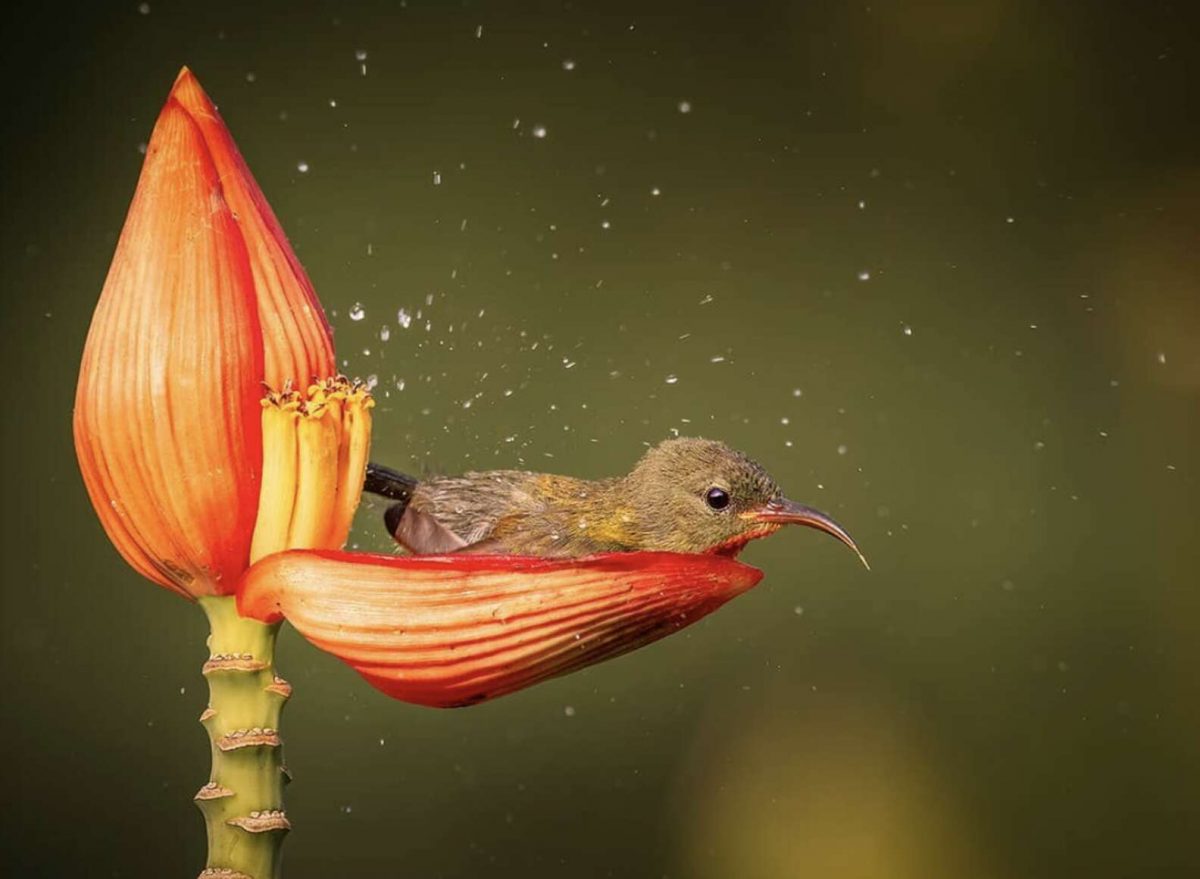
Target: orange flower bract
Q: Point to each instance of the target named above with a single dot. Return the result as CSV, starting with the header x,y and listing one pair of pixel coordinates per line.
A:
x,y
204,301
454,630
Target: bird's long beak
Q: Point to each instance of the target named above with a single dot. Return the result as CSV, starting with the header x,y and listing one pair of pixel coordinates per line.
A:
x,y
786,512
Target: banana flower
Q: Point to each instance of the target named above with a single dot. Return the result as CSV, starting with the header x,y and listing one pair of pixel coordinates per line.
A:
x,y
225,459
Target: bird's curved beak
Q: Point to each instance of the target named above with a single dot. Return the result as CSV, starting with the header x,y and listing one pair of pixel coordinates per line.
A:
x,y
785,512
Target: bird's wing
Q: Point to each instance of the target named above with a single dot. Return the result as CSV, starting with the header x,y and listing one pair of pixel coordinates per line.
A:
x,y
447,514
422,533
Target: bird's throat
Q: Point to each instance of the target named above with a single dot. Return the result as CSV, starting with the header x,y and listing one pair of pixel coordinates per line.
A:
x,y
732,547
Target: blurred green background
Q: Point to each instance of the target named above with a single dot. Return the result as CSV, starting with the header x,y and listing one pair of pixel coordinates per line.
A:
x,y
934,265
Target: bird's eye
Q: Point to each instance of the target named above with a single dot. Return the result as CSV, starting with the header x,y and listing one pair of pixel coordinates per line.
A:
x,y
717,498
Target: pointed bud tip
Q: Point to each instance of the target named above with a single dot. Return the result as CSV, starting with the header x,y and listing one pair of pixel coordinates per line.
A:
x,y
185,81
190,94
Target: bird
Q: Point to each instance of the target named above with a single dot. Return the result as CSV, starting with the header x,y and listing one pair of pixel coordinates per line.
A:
x,y
685,495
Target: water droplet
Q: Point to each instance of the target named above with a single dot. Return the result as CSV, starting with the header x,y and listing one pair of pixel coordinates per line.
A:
x,y
656,191
539,131
672,379
796,392
841,450
862,205
251,76
357,312
569,711
385,333
478,31
907,330
404,318
685,106
1162,357
144,8
1010,219
568,64
864,275
372,381
785,420
302,167
798,610
604,224
437,178
332,102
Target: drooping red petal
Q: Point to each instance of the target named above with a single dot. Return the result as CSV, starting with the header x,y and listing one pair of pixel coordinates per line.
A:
x,y
297,341
167,406
455,630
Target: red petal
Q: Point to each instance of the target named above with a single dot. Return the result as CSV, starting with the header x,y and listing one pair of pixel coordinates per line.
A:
x,y
455,630
167,418
297,341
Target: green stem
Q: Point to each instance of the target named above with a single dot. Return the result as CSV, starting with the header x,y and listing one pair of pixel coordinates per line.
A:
x,y
243,800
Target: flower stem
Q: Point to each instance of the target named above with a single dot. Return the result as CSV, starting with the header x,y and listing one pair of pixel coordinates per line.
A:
x,y
243,800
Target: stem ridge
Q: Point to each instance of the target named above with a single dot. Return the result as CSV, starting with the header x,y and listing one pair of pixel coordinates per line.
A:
x,y
242,802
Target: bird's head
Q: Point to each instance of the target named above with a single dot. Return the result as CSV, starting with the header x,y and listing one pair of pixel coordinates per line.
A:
x,y
701,496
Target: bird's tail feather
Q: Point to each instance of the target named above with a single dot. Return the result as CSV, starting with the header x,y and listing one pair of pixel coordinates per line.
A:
x,y
389,483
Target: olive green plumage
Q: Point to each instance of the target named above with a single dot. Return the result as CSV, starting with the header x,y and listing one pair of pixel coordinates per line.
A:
x,y
684,495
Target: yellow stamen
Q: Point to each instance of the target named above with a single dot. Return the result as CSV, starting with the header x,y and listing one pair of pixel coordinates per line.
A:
x,y
316,478
352,463
278,492
315,446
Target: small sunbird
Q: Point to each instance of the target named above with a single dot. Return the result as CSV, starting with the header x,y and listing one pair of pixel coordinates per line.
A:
x,y
684,495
